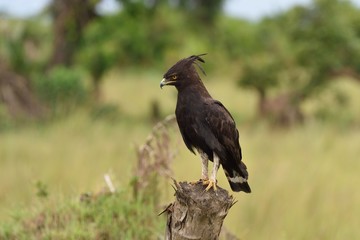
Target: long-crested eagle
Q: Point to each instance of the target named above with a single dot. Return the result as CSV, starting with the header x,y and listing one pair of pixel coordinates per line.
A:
x,y
206,125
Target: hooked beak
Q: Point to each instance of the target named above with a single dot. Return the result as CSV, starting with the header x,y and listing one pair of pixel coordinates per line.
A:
x,y
165,82
162,83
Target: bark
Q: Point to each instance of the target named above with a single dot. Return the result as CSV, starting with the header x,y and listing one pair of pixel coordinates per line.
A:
x,y
70,19
196,213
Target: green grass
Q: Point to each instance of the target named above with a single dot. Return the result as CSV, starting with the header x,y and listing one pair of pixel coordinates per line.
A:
x,y
304,179
104,216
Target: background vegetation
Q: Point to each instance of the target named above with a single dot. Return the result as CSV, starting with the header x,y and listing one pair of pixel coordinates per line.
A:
x,y
79,94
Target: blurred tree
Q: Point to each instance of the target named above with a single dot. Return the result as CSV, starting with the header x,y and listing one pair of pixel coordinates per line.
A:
x,y
260,74
70,17
23,52
25,46
239,43
267,69
139,35
200,11
306,48
99,51
203,12
17,96
325,40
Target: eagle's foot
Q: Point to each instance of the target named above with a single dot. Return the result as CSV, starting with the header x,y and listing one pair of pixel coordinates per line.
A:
x,y
202,180
210,184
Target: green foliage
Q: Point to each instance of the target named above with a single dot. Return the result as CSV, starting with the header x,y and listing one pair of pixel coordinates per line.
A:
x,y
203,12
146,33
98,52
326,40
25,47
261,72
236,44
124,39
62,89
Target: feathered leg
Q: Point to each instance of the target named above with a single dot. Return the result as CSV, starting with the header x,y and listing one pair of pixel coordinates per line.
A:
x,y
212,181
204,169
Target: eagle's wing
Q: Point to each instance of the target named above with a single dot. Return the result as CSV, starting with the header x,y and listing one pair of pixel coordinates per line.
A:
x,y
183,126
223,127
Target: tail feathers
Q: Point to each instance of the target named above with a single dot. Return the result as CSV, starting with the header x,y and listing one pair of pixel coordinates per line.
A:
x,y
238,182
237,187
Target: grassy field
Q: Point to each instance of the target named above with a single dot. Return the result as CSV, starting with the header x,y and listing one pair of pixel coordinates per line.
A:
x,y
304,179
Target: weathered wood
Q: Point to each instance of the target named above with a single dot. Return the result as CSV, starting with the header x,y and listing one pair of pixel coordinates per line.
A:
x,y
196,213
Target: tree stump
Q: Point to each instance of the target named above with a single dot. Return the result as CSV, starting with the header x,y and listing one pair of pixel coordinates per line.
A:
x,y
196,213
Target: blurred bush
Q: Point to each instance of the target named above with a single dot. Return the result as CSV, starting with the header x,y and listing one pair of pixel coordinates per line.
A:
x,y
62,90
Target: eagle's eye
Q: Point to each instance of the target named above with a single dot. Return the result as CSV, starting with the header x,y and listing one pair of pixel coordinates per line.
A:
x,y
174,77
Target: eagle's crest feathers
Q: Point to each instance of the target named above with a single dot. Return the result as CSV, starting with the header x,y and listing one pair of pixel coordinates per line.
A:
x,y
185,64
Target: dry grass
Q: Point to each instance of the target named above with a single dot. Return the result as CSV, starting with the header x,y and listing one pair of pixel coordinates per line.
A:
x,y
304,185
155,156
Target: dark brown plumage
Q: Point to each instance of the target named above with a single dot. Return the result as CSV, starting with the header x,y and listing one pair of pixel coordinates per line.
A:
x,y
206,125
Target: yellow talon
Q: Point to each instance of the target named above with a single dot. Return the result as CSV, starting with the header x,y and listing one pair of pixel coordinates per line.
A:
x,y
210,184
204,181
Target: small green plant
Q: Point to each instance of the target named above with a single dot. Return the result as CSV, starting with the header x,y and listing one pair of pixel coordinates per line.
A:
x,y
41,189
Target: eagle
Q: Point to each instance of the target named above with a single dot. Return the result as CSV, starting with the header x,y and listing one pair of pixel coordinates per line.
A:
x,y
206,125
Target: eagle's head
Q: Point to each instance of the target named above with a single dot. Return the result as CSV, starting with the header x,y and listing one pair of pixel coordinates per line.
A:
x,y
183,72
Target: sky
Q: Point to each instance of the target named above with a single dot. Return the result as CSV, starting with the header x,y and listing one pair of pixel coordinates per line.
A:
x,y
248,9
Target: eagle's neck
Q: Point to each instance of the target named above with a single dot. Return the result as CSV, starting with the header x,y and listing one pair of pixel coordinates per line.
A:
x,y
192,94
192,85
